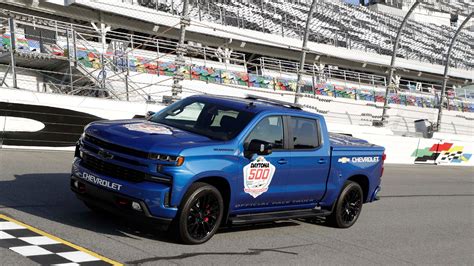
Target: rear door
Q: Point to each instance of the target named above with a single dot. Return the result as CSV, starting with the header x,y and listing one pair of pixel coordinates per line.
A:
x,y
310,159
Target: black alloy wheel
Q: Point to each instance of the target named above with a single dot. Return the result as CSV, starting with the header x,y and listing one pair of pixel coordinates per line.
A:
x,y
200,214
352,205
348,206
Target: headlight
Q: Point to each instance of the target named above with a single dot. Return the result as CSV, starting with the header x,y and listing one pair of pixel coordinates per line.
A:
x,y
177,160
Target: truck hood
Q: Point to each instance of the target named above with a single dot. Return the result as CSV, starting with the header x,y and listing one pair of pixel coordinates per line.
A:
x,y
340,141
145,136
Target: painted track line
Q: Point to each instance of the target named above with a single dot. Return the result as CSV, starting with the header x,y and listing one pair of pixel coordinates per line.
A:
x,y
44,248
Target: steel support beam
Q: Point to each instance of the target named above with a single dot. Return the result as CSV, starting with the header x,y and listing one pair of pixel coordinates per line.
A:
x,y
304,50
394,56
446,69
11,24
177,88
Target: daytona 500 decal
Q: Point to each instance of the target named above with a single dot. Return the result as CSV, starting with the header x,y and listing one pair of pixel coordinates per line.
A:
x,y
150,128
257,176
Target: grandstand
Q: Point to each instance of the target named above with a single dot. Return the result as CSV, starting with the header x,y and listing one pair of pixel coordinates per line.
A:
x,y
57,54
334,23
455,7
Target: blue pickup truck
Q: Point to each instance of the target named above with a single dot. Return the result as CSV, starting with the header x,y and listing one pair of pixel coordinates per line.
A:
x,y
207,161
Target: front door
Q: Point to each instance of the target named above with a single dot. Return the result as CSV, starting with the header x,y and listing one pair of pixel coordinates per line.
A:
x,y
263,181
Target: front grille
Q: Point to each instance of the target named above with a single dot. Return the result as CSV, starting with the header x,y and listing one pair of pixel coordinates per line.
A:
x,y
115,147
116,171
116,157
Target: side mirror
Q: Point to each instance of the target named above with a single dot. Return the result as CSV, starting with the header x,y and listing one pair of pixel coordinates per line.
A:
x,y
259,147
149,114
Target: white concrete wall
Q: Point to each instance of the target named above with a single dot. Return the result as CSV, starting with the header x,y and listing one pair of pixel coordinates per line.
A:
x,y
399,149
405,150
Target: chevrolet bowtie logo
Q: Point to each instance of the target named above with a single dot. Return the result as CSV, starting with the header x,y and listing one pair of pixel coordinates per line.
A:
x,y
106,155
344,160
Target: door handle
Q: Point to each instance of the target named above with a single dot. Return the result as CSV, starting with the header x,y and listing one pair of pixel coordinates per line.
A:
x,y
282,161
322,161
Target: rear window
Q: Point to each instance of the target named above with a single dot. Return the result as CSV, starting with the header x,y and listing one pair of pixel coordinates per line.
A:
x,y
304,133
204,118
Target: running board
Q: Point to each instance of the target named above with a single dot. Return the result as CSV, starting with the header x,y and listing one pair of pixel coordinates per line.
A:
x,y
274,216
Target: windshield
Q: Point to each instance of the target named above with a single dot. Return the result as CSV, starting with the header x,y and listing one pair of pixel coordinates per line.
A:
x,y
204,118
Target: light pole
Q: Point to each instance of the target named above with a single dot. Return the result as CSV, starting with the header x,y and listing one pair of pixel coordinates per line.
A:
x,y
177,88
394,55
304,49
11,24
446,68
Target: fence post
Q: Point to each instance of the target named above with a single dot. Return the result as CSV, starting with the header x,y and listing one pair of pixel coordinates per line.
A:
x,y
126,78
205,57
71,84
74,44
158,48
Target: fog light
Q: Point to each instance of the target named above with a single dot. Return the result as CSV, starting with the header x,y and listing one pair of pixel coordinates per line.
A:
x,y
122,202
81,187
76,184
136,206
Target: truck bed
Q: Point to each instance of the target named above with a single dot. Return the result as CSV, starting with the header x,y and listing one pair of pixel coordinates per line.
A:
x,y
345,142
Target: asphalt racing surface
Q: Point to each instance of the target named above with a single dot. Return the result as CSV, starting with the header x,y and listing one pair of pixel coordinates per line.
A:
x,y
425,216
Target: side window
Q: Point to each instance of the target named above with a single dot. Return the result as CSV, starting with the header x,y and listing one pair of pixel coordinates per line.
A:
x,y
305,133
270,130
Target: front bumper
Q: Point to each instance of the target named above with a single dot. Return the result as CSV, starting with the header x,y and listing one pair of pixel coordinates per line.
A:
x,y
117,195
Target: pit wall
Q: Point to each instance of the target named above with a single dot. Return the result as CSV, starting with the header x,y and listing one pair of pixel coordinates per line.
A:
x,y
35,120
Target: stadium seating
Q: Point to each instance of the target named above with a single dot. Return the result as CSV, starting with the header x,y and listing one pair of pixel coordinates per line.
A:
x,y
463,7
341,24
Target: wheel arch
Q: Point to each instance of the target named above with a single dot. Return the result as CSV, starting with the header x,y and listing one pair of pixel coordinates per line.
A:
x,y
223,186
363,182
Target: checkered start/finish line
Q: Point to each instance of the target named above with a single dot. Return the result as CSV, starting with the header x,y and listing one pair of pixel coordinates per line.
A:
x,y
43,248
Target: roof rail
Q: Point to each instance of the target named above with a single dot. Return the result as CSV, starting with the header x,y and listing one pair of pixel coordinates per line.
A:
x,y
273,101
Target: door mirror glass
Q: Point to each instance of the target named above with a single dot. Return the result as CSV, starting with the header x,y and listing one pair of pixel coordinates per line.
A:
x,y
259,147
149,114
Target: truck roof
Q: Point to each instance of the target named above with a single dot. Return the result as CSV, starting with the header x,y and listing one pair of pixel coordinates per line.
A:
x,y
255,104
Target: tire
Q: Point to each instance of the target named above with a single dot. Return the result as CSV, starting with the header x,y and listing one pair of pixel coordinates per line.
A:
x,y
348,206
195,223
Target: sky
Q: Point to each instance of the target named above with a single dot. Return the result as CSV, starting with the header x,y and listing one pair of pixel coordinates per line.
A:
x,y
355,2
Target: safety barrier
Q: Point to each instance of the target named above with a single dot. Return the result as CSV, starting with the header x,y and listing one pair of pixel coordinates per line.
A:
x,y
51,121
